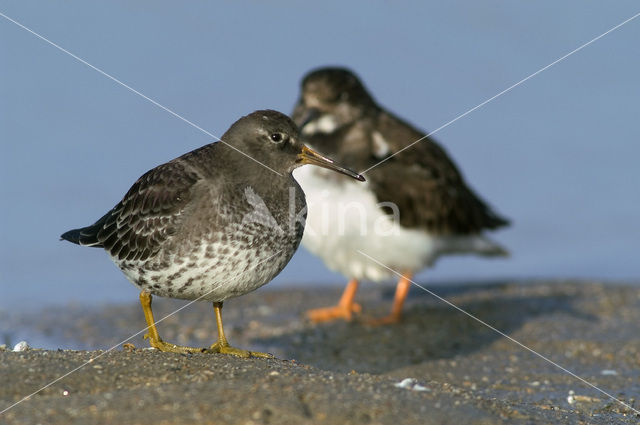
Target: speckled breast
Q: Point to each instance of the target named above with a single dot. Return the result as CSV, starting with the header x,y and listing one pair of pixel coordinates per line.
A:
x,y
252,244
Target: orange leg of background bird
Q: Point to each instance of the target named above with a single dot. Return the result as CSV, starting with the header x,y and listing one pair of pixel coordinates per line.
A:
x,y
344,310
402,290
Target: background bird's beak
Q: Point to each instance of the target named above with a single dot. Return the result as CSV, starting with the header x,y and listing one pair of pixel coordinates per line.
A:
x,y
308,115
309,156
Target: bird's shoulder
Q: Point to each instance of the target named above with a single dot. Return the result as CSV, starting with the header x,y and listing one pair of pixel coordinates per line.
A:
x,y
393,137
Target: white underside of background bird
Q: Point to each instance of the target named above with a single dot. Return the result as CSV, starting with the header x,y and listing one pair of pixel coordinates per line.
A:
x,y
345,221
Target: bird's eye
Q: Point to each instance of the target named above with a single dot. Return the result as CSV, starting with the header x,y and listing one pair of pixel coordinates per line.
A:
x,y
277,137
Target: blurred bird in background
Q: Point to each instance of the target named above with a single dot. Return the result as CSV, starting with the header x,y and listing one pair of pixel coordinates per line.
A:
x,y
414,207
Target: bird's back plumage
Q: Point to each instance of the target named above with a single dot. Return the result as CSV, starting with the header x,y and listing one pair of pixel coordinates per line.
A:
x,y
149,212
425,183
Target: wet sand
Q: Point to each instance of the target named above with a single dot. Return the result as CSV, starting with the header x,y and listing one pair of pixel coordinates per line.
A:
x,y
339,373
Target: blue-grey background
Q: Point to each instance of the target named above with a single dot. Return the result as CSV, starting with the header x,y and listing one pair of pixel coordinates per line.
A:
x,y
558,154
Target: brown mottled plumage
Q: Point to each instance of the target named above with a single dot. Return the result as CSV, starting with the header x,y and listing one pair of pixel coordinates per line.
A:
x,y
422,180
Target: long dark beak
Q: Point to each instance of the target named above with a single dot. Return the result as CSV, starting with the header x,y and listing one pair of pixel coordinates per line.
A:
x,y
309,156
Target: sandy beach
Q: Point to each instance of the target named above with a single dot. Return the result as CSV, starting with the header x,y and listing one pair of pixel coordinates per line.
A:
x,y
439,366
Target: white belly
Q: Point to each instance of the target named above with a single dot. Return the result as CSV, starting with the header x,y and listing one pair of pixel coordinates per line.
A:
x,y
344,217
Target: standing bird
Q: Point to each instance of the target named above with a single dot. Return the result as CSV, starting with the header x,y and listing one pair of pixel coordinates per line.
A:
x,y
215,223
415,206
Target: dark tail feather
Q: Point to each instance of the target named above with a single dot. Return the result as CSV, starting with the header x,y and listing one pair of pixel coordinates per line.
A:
x,y
71,236
496,221
87,236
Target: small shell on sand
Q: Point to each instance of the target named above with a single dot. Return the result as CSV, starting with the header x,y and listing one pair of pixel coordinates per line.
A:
x,y
411,384
21,346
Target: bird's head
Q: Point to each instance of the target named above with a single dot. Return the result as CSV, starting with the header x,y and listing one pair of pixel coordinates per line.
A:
x,y
271,139
329,99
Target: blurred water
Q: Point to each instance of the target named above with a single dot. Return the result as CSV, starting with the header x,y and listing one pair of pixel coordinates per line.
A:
x,y
558,154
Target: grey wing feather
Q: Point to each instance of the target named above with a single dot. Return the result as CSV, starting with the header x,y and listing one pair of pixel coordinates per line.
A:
x,y
149,213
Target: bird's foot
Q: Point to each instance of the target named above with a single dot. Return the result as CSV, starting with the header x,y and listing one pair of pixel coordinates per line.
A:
x,y
339,311
172,348
227,349
391,319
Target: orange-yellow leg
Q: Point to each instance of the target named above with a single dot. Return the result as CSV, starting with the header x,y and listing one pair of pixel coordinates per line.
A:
x,y
223,347
402,290
344,310
153,336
